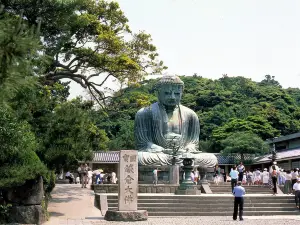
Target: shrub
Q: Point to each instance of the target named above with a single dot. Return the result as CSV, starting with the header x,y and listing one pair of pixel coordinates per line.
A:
x,y
18,160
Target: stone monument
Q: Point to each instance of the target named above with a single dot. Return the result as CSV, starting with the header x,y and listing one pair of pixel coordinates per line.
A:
x,y
168,123
128,189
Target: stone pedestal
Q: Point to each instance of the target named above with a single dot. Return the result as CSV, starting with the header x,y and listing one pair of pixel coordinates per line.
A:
x,y
174,174
128,189
138,215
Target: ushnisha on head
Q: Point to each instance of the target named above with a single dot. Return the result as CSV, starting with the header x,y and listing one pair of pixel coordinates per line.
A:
x,y
169,90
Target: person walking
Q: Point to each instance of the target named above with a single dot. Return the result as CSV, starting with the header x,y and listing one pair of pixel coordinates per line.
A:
x,y
234,176
288,183
294,176
241,169
155,176
274,180
239,193
296,188
265,176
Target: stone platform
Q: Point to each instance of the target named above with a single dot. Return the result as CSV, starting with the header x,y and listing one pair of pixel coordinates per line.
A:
x,y
209,204
138,215
143,188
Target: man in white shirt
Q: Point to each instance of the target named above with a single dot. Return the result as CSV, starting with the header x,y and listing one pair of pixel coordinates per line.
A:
x,y
241,169
234,176
296,188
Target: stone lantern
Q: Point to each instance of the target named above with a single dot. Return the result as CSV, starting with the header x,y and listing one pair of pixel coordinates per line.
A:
x,y
187,187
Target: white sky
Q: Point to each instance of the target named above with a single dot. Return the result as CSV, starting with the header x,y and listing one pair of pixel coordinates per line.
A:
x,y
249,38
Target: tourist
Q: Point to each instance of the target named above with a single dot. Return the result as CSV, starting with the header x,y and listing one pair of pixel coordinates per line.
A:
x,y
265,176
250,178
274,179
282,177
217,174
294,176
238,193
257,177
97,174
244,181
89,175
234,176
241,169
196,176
288,183
296,188
155,176
113,178
83,175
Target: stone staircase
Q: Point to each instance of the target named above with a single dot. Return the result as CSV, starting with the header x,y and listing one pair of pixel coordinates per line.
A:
x,y
213,205
225,188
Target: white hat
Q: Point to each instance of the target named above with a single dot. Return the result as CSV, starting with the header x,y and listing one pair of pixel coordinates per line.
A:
x,y
265,169
274,163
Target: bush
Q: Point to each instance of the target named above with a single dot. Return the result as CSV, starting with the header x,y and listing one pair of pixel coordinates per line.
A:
x,y
4,212
18,160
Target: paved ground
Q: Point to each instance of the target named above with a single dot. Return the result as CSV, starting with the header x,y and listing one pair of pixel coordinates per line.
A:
x,y
72,205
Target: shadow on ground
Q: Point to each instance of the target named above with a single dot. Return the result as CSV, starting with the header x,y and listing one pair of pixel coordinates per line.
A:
x,y
56,214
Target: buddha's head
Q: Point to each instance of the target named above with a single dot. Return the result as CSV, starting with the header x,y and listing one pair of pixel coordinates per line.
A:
x,y
169,90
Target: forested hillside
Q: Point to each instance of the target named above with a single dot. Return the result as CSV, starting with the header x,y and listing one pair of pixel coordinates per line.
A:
x,y
224,106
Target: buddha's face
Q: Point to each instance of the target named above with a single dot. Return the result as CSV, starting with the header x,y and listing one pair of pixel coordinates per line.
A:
x,y
170,94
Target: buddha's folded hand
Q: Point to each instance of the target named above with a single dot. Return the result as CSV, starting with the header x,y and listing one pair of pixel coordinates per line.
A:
x,y
155,148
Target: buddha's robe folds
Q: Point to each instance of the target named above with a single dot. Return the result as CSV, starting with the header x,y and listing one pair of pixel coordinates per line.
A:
x,y
153,130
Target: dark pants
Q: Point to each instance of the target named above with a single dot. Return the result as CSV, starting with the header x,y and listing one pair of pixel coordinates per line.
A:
x,y
233,184
274,181
241,176
238,204
293,182
297,198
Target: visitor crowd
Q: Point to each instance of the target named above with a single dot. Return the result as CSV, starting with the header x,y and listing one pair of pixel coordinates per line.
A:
x,y
85,175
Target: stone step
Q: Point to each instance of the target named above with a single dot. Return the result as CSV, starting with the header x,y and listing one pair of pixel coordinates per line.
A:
x,y
223,201
222,205
190,209
227,213
205,197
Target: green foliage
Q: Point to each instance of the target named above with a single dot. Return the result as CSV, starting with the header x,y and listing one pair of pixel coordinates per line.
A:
x,y
71,136
18,51
224,106
4,212
91,34
18,161
244,143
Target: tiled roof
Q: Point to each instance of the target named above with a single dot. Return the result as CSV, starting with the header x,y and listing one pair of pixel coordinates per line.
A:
x,y
231,159
280,156
106,157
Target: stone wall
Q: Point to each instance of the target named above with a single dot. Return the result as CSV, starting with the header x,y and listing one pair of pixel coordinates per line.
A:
x,y
26,202
143,188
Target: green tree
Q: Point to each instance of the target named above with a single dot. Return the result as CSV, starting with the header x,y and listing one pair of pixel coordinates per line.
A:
x,y
18,159
86,39
244,143
71,136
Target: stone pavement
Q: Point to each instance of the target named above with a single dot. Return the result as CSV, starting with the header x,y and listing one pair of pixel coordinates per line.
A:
x,y
72,205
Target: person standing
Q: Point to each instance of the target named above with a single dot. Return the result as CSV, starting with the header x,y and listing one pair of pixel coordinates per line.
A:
x,y
265,176
288,183
234,176
274,180
155,176
296,188
83,174
114,178
241,169
239,193
294,176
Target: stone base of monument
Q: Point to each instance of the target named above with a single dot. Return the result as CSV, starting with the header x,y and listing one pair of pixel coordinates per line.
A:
x,y
138,215
188,190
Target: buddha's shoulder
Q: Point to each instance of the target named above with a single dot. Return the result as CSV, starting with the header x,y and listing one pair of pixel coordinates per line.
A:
x,y
187,110
144,111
